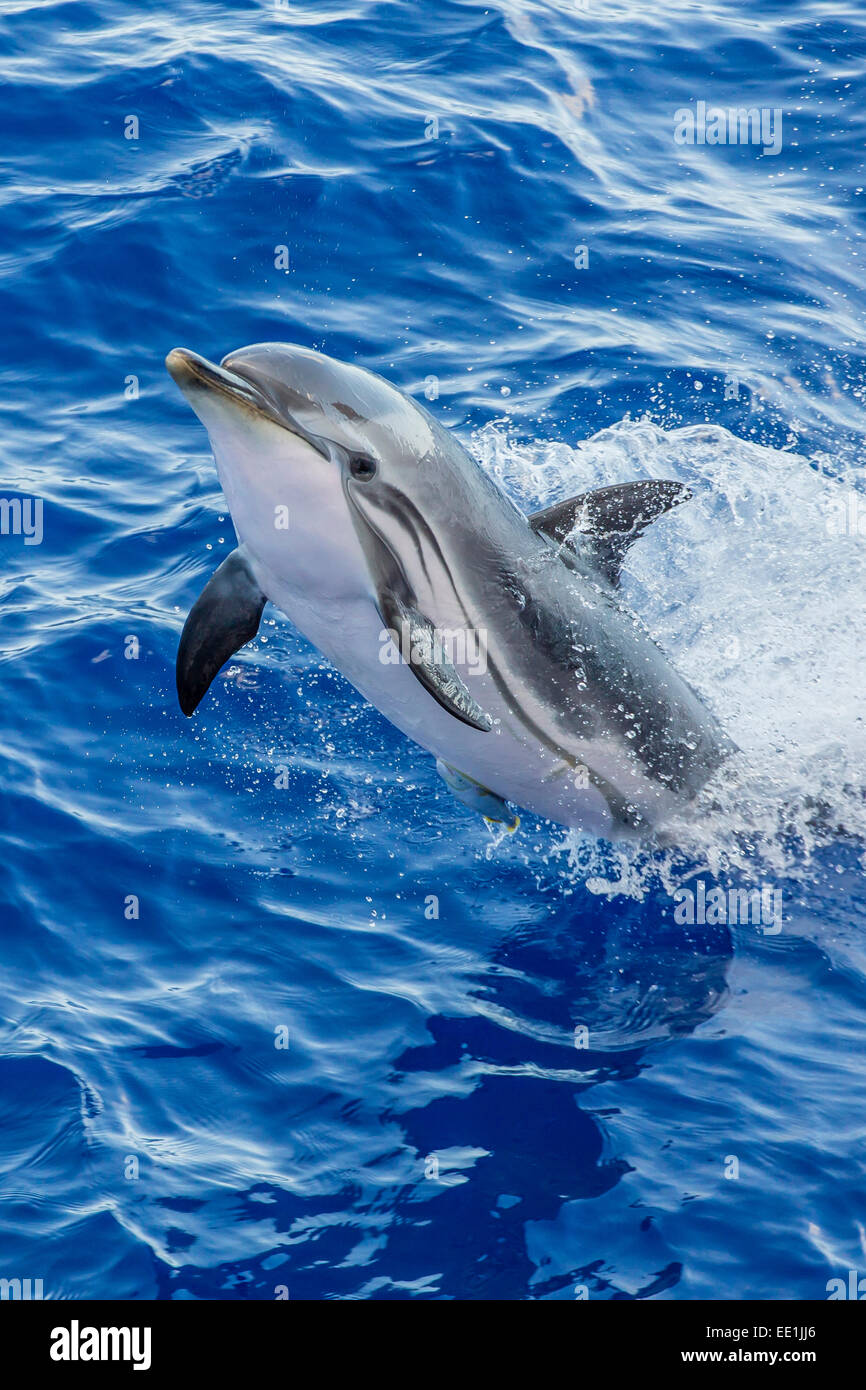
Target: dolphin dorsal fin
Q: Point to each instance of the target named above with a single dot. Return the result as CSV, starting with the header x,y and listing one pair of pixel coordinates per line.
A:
x,y
609,519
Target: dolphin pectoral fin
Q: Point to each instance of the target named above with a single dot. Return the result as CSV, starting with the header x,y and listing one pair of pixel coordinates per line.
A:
x,y
471,793
224,617
609,519
422,651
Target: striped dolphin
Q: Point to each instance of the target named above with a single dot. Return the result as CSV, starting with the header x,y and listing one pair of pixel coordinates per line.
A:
x,y
498,642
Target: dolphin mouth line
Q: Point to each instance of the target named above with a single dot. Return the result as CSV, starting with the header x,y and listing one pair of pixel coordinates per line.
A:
x,y
193,372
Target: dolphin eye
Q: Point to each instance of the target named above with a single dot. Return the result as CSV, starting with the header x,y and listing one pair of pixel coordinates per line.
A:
x,y
362,467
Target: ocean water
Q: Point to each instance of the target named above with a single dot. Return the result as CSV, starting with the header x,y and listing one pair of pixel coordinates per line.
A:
x,y
486,203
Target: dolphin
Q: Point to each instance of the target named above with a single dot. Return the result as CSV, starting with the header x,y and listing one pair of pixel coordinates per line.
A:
x,y
498,642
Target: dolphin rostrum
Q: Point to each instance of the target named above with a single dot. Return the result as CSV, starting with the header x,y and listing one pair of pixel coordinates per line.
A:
x,y
498,642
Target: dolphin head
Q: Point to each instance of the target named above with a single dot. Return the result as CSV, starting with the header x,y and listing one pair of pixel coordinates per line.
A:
x,y
312,454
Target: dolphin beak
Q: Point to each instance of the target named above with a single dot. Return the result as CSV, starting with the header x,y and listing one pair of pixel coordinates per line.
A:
x,y
195,375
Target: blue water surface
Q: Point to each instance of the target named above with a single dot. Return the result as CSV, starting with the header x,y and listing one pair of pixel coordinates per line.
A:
x,y
180,897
